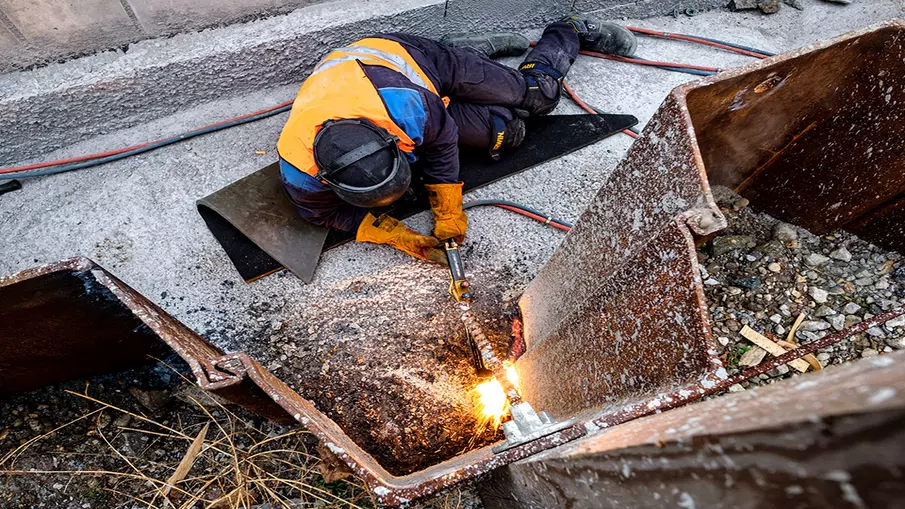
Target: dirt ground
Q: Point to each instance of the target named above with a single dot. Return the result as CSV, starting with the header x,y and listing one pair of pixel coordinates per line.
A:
x,y
114,441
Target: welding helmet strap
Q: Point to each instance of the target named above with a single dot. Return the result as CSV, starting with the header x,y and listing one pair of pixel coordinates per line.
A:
x,y
388,141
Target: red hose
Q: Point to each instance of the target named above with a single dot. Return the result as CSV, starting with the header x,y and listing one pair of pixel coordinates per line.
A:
x,y
99,155
653,63
583,105
536,217
680,37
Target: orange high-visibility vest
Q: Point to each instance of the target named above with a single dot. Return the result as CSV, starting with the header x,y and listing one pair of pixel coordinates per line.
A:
x,y
338,88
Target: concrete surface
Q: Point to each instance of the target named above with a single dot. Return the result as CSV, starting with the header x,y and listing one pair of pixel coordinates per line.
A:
x,y
167,17
9,36
48,30
44,31
61,104
137,217
83,24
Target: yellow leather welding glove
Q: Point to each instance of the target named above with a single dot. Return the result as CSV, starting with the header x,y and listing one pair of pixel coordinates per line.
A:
x,y
390,231
450,221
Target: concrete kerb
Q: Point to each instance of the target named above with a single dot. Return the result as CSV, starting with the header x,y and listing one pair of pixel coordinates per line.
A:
x,y
58,105
61,104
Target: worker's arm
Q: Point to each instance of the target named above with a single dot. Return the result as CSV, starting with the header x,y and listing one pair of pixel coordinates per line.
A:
x,y
439,144
316,203
440,153
423,117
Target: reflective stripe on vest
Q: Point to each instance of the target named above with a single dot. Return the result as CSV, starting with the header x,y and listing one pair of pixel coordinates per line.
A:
x,y
370,56
339,89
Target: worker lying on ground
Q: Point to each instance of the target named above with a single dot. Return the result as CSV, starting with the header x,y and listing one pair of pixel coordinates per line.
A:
x,y
370,109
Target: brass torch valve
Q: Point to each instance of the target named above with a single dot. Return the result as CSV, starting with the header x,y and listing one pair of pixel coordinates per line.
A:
x,y
459,287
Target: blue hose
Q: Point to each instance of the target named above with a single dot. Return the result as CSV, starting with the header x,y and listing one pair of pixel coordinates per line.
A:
x,y
696,72
732,44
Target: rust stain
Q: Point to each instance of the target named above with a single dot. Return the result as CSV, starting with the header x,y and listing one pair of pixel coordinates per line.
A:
x,y
776,155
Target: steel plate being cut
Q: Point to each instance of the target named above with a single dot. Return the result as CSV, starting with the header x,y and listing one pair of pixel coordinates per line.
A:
x,y
813,137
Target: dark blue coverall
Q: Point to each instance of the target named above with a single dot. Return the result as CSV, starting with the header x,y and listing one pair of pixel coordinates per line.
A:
x,y
482,93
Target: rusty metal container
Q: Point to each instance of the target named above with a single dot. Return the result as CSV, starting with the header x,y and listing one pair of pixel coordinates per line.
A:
x,y
813,137
61,321
816,137
831,439
616,323
73,319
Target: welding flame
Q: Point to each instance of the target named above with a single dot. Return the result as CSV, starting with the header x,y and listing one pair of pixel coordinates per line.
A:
x,y
511,373
490,399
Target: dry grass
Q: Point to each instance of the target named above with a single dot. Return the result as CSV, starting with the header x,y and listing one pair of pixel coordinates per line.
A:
x,y
454,498
227,464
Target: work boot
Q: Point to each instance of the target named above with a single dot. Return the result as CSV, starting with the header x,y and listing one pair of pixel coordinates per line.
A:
x,y
493,45
608,38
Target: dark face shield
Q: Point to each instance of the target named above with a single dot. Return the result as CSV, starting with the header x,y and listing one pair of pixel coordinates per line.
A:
x,y
361,163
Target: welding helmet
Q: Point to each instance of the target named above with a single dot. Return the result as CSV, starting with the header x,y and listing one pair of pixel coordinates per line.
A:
x,y
361,162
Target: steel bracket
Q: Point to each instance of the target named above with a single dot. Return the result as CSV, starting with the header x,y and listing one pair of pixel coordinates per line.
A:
x,y
527,425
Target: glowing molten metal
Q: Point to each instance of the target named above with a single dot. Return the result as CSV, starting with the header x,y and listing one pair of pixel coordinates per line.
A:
x,y
490,399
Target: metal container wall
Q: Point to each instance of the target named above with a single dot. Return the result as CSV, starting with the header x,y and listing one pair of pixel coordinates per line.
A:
x,y
817,138
813,137
642,331
616,323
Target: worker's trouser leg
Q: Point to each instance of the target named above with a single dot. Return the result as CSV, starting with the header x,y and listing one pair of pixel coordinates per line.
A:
x,y
485,95
468,76
545,67
535,89
483,126
557,48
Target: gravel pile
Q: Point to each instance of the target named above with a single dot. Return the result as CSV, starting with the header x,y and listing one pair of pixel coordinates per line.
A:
x,y
763,273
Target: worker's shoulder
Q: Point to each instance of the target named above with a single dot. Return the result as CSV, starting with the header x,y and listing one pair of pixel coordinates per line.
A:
x,y
406,107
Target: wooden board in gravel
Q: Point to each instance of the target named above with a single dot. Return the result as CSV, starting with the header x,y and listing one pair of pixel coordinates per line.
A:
x,y
258,228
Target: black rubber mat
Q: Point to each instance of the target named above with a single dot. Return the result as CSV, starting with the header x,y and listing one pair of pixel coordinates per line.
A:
x,y
250,260
259,229
248,217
